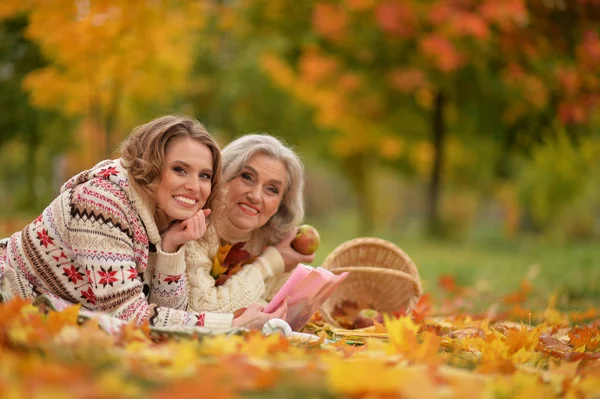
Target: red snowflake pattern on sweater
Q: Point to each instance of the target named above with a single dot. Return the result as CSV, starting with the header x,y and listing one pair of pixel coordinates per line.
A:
x,y
89,296
172,279
73,274
107,277
132,273
200,322
108,172
44,238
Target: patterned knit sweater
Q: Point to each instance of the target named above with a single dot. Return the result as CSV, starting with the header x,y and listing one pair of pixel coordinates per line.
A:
x,y
256,282
97,244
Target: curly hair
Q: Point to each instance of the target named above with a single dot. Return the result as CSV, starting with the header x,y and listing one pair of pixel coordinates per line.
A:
x,y
143,153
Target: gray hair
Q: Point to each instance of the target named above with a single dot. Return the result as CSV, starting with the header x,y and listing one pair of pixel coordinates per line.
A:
x,y
235,157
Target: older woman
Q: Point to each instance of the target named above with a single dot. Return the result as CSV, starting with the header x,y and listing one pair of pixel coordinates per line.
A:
x,y
113,240
262,208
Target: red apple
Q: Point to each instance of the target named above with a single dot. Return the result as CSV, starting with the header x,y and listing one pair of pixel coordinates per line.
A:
x,y
367,318
307,240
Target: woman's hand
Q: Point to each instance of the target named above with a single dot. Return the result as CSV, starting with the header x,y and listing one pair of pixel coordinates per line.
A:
x,y
291,258
253,317
183,231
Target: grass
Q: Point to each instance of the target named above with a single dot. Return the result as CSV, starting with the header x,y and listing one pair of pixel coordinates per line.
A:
x,y
491,263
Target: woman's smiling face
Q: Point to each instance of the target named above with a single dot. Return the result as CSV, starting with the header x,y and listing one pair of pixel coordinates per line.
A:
x,y
254,195
186,179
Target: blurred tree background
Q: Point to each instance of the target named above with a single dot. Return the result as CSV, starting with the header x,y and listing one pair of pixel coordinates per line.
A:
x,y
443,125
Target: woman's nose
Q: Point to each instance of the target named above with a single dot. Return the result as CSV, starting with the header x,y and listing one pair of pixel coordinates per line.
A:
x,y
253,195
192,184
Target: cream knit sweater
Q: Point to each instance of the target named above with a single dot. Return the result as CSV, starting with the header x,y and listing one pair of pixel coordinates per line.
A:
x,y
257,282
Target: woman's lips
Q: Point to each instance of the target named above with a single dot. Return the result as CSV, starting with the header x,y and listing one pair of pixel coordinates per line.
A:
x,y
248,209
190,202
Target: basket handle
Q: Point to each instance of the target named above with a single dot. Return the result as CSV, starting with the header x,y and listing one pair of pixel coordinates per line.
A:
x,y
392,272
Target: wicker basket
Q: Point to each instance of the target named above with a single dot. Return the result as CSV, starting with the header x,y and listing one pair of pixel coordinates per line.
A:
x,y
382,277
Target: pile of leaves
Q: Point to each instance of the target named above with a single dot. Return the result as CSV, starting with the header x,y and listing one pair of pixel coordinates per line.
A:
x,y
433,351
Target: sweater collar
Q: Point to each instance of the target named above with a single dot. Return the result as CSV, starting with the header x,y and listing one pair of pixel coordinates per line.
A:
x,y
142,208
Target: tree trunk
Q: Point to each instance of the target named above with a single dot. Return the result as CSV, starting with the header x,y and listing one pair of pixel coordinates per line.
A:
x,y
435,184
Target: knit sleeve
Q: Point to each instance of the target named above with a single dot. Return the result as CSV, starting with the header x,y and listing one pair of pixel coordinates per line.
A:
x,y
168,282
239,291
104,237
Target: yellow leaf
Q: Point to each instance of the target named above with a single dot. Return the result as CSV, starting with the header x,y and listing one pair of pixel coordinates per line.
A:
x,y
355,376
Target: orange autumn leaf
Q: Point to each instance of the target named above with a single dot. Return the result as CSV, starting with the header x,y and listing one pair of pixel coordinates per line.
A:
x,y
422,308
447,283
56,321
587,337
11,309
379,327
522,338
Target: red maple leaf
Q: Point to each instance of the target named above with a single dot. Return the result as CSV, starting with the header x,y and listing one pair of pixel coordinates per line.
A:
x,y
236,255
73,274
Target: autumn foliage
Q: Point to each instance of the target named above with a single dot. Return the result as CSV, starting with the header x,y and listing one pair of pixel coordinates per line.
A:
x,y
428,353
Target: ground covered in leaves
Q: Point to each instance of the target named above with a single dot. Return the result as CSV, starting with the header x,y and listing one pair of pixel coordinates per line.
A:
x,y
439,350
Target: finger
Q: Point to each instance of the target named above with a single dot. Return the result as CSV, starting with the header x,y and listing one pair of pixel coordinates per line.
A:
x,y
256,306
289,236
279,313
197,222
203,212
175,226
308,258
281,310
202,227
184,225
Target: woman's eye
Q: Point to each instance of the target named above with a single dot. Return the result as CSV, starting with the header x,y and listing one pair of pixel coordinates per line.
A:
x,y
179,169
273,190
246,176
205,176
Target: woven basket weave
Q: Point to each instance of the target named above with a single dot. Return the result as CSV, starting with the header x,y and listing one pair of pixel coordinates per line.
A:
x,y
382,277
